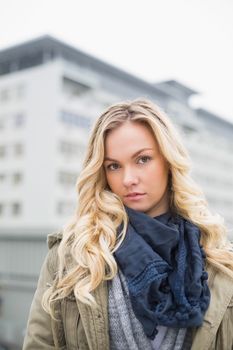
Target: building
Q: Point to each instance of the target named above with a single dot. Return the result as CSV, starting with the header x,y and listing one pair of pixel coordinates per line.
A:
x,y
50,93
209,139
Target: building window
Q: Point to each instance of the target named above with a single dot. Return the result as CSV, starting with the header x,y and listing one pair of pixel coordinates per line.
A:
x,y
65,207
74,88
66,147
1,209
32,60
2,124
20,90
4,95
70,149
74,119
19,119
67,179
18,149
2,178
2,151
17,178
188,129
16,209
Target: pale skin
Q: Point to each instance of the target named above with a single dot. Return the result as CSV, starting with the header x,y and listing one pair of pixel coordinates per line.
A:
x,y
136,170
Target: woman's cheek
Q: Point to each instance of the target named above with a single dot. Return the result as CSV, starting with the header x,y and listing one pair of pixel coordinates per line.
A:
x,y
112,182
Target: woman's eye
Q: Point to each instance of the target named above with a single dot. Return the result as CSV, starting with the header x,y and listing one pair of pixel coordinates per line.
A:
x,y
112,166
144,159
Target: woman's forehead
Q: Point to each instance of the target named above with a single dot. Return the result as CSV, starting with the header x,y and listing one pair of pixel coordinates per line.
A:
x,y
130,132
128,128
129,139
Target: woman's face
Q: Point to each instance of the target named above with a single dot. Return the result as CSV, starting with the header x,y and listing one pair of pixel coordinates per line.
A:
x,y
135,170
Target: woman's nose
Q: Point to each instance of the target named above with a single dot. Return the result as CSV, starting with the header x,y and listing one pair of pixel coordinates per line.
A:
x,y
130,178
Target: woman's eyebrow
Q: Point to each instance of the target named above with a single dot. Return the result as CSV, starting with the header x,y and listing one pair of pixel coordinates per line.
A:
x,y
133,156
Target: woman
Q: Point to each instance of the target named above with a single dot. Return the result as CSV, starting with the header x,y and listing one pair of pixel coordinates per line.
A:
x,y
143,264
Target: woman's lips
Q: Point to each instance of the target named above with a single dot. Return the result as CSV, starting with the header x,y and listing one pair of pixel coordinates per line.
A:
x,y
135,197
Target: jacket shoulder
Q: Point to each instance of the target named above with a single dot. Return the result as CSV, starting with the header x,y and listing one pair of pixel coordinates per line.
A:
x,y
53,241
54,238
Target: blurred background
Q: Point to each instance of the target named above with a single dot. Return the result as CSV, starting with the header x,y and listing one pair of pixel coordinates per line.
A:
x,y
61,64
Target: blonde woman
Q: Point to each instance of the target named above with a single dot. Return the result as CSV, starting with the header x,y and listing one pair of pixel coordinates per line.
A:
x,y
143,264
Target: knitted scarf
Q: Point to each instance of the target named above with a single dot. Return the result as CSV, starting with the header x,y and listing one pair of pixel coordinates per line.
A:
x,y
163,263
126,331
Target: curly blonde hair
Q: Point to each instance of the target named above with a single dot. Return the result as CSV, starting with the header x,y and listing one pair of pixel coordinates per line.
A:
x,y
90,239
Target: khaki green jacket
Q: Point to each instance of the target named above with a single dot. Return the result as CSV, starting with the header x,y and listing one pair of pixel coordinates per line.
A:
x,y
80,327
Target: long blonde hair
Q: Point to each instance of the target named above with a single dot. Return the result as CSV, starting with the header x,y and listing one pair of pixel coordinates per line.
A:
x,y
89,239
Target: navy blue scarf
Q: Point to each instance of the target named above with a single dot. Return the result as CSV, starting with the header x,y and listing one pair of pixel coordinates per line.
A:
x,y
163,263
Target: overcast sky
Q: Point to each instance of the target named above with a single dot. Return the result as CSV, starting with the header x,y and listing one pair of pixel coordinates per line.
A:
x,y
187,40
